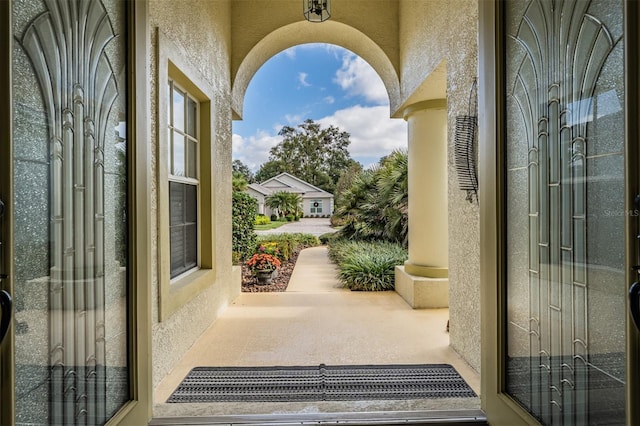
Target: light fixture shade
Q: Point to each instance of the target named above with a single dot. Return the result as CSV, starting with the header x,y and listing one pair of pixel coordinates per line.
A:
x,y
316,10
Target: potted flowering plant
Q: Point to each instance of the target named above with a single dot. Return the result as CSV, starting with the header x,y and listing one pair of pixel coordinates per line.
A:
x,y
263,265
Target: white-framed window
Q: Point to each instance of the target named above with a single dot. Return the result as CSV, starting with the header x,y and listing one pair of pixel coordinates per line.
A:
x,y
316,206
183,179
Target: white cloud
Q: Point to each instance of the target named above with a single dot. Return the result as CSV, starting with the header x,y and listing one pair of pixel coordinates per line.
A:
x,y
357,78
334,49
329,100
254,150
302,78
293,119
290,52
373,133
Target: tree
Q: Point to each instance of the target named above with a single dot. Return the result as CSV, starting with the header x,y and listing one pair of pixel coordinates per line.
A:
x,y
345,180
239,167
312,153
270,169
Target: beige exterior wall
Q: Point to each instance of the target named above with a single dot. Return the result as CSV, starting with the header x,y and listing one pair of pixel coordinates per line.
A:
x,y
200,31
434,40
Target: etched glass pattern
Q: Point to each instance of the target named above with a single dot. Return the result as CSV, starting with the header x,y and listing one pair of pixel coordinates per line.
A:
x,y
70,109
565,210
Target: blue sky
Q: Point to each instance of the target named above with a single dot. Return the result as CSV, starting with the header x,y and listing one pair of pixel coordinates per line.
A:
x,y
327,84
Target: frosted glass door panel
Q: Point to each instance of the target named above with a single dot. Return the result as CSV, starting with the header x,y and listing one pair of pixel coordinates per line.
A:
x,y
565,210
70,167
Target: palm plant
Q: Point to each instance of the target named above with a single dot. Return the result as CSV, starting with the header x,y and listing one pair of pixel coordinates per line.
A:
x,y
284,202
393,193
238,182
375,207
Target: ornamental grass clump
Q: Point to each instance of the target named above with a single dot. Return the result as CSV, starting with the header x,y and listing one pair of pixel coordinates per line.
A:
x,y
367,266
263,262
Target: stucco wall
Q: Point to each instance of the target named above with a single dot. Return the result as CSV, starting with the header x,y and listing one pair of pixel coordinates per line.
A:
x,y
444,35
200,29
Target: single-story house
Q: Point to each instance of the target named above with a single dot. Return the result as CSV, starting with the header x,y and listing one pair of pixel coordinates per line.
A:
x,y
315,201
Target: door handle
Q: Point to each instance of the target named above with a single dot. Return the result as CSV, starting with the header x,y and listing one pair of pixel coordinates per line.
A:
x,y
634,303
5,298
5,304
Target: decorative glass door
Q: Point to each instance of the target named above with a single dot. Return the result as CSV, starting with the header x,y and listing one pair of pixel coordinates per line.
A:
x,y
70,341
565,210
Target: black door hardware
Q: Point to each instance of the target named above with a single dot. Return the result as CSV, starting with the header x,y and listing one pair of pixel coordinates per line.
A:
x,y
5,304
634,303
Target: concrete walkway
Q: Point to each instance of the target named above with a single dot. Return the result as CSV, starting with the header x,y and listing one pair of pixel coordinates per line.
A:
x,y
313,226
315,321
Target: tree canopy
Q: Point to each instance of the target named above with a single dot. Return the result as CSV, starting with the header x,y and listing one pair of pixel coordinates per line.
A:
x,y
310,152
240,168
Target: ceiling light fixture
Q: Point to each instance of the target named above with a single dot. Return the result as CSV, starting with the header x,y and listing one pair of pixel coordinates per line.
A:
x,y
316,10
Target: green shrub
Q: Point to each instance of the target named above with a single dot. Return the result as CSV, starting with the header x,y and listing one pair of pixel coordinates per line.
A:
x,y
302,240
338,221
367,266
243,239
328,237
261,220
284,247
288,243
289,218
274,218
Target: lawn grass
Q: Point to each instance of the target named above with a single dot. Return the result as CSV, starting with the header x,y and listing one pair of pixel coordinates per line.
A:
x,y
271,225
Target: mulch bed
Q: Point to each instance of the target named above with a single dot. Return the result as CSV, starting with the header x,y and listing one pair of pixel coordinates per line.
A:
x,y
280,283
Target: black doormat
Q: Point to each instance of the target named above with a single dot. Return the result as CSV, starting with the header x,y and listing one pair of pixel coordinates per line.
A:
x,y
321,383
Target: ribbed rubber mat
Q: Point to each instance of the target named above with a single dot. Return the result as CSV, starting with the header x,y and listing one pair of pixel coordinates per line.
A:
x,y
321,383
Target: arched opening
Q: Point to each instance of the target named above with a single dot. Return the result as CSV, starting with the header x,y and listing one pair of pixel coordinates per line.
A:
x,y
330,32
293,341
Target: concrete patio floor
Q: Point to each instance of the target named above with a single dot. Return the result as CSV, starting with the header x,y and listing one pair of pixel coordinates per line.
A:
x,y
315,322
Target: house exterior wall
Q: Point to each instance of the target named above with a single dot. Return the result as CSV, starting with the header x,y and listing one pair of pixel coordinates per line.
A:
x,y
201,31
445,35
327,206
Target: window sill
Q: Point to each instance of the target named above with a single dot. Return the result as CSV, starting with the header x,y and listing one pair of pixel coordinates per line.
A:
x,y
184,288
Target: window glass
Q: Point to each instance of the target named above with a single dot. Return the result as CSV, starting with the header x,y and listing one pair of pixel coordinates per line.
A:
x,y
178,109
170,150
183,212
191,203
178,155
192,159
176,203
192,110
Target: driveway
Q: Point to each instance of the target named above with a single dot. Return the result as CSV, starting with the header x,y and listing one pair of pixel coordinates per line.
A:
x,y
312,226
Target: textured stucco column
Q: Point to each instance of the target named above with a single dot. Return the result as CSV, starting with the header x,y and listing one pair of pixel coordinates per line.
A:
x,y
423,281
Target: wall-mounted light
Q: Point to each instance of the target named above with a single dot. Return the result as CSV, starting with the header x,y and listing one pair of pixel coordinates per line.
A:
x,y
316,10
